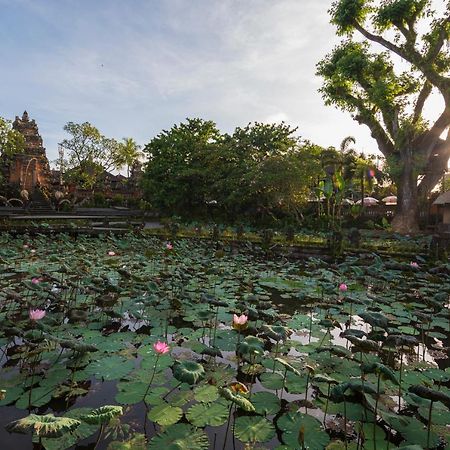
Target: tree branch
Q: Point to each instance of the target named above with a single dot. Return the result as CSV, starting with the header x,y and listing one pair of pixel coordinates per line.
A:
x,y
421,99
411,55
428,140
434,50
382,41
436,167
385,145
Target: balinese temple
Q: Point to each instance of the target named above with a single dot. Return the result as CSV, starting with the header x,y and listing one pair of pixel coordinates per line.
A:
x,y
29,169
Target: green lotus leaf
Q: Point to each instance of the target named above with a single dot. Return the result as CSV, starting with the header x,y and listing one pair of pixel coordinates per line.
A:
x,y
137,442
189,372
206,394
102,415
321,378
288,366
77,346
251,346
430,394
180,437
385,372
266,403
211,351
440,414
292,424
165,414
40,396
272,380
413,431
110,368
11,395
275,332
208,414
253,429
68,440
45,426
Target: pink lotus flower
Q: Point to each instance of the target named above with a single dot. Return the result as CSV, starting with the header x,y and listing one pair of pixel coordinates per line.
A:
x,y
36,280
343,287
25,245
111,253
414,265
240,322
161,347
169,246
36,314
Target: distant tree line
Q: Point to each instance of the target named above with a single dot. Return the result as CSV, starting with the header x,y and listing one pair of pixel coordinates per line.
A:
x,y
259,172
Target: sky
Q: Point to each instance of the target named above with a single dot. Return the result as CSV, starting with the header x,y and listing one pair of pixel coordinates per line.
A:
x,y
133,68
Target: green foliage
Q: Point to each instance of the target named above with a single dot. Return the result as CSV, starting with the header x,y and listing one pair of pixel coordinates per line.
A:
x,y
399,13
102,415
11,141
260,170
45,426
89,154
189,372
344,14
388,99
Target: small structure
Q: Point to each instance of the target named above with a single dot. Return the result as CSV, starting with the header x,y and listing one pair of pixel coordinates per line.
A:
x,y
29,169
443,206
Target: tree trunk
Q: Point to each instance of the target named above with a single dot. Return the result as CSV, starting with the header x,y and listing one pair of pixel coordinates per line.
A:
x,y
406,219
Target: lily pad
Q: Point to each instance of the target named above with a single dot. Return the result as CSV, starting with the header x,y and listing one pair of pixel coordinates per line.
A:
x,y
253,429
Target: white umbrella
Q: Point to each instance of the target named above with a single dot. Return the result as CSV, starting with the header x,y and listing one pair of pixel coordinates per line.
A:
x,y
368,201
390,200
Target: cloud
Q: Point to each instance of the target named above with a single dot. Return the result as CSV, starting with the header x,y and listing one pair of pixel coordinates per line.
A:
x,y
134,68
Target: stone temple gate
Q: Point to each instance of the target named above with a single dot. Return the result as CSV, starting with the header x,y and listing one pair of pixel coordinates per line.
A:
x,y
30,169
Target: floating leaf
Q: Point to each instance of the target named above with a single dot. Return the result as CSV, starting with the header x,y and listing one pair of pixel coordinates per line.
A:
x,y
206,394
102,415
165,414
188,372
253,429
180,437
266,403
204,414
314,436
45,426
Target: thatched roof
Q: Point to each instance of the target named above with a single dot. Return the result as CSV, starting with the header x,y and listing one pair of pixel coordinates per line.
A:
x,y
443,199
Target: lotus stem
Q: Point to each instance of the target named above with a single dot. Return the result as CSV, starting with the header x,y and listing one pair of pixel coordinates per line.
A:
x,y
284,381
276,354
215,326
326,404
99,435
345,423
400,383
306,393
376,411
310,325
429,424
228,426
175,387
151,378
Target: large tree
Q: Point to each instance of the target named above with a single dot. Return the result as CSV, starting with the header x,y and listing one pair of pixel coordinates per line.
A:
x,y
259,170
89,153
387,90
180,168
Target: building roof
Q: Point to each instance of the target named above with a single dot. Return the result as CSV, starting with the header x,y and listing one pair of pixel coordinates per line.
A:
x,y
443,199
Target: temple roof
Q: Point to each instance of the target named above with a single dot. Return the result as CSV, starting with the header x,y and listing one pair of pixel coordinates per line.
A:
x,y
30,131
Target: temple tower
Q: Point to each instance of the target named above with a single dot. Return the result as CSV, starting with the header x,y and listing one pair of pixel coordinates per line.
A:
x,y
30,169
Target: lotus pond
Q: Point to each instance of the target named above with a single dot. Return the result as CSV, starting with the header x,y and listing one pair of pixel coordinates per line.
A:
x,y
127,343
